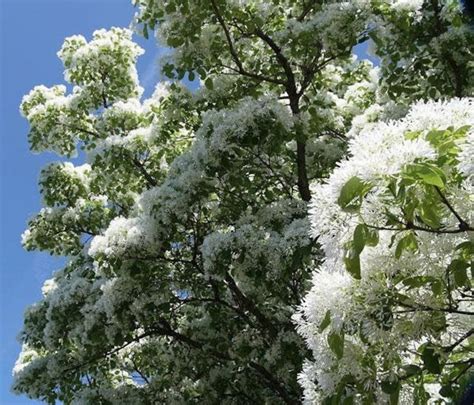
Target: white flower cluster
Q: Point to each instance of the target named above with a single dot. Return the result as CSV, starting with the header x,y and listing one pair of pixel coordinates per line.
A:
x,y
412,6
63,183
58,229
340,23
53,117
253,236
466,157
157,207
377,154
103,72
105,65
231,126
36,99
336,24
123,115
123,235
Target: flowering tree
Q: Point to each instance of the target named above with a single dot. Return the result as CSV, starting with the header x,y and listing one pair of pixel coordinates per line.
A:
x,y
389,317
187,234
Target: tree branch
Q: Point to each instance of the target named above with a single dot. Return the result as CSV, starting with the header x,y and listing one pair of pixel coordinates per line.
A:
x,y
234,54
463,225
248,304
272,382
419,228
306,10
459,341
149,178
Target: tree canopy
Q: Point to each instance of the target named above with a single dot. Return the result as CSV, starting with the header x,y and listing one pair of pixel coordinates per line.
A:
x,y
299,229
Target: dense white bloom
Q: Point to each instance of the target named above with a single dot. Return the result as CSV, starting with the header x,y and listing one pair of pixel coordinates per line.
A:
x,y
27,355
330,291
379,153
49,286
124,235
466,156
407,5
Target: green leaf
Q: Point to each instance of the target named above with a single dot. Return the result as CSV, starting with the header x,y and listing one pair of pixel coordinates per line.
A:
x,y
359,238
348,400
428,173
174,42
429,215
438,321
437,287
390,386
336,343
447,391
170,8
325,322
352,193
418,281
431,360
371,237
466,247
407,243
458,268
352,262
363,235
411,370
209,84
191,76
202,72
411,135
420,396
181,73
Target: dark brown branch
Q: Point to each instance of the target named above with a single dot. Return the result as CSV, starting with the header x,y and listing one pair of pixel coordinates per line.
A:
x,y
306,10
234,54
136,368
82,230
313,68
216,300
282,181
294,96
103,77
419,228
469,364
424,308
149,178
109,353
290,87
290,84
459,341
303,182
273,383
159,257
463,225
249,305
85,131
165,329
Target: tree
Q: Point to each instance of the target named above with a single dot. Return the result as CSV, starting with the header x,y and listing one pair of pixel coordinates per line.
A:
x,y
389,316
187,231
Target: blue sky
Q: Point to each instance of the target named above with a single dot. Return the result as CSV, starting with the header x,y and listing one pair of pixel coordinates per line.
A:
x,y
32,31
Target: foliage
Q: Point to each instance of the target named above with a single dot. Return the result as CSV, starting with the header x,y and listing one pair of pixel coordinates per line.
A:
x,y
187,231
397,233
